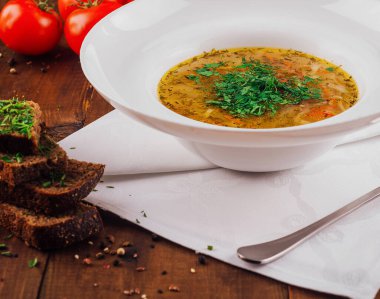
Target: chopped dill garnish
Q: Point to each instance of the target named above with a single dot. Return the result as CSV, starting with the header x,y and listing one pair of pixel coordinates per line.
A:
x,y
11,159
16,117
253,88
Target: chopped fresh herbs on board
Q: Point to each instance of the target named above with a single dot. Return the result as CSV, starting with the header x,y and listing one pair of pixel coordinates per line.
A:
x,y
16,117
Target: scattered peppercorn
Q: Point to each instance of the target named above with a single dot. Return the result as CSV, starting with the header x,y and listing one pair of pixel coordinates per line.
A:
x,y
102,245
152,246
159,291
12,62
202,259
155,238
116,263
164,272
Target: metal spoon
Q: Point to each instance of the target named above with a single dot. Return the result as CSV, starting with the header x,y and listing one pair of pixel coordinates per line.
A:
x,y
267,252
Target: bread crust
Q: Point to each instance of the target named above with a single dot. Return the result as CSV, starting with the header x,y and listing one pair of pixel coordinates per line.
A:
x,y
33,166
80,179
45,233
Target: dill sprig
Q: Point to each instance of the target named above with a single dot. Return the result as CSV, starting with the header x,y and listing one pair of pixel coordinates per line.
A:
x,y
253,89
16,117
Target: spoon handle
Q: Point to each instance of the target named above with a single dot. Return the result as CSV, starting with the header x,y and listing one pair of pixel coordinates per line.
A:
x,y
267,252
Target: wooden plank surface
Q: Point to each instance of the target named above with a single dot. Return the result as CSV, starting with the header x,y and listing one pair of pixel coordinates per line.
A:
x,y
69,102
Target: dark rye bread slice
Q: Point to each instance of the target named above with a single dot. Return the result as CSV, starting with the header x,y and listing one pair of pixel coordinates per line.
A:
x,y
17,169
58,193
20,126
44,232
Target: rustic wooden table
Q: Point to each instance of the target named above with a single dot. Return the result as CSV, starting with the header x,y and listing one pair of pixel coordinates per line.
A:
x,y
69,102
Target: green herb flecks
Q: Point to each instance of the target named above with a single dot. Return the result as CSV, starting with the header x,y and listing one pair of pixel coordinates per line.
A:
x,y
6,253
210,247
56,180
209,69
16,117
33,263
12,159
253,89
330,69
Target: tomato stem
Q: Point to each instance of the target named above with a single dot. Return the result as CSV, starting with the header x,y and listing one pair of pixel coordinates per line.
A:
x,y
44,5
89,3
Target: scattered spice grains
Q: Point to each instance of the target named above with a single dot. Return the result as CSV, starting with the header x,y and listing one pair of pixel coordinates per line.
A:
x,y
202,259
100,256
12,62
76,256
164,272
120,251
160,291
1,55
132,292
87,261
106,266
174,288
95,285
127,244
116,263
12,71
155,238
144,296
192,270
110,239
140,269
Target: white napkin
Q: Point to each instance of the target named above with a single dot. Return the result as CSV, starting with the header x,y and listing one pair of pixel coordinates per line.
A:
x,y
127,147
228,209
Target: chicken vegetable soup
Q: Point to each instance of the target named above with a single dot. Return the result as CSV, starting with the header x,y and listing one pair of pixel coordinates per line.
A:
x,y
257,88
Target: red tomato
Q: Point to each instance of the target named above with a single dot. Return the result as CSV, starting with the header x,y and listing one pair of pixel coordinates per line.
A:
x,y
80,21
29,29
66,7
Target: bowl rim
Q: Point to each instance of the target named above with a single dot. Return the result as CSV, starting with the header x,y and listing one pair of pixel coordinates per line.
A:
x,y
192,123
